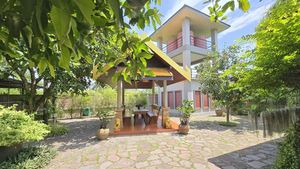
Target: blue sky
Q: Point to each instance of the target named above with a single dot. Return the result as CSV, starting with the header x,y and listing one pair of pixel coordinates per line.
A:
x,y
241,23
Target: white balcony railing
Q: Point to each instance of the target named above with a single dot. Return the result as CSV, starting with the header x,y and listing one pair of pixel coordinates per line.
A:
x,y
195,41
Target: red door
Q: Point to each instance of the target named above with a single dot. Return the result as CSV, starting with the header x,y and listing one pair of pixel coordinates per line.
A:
x,y
178,98
197,99
206,101
171,100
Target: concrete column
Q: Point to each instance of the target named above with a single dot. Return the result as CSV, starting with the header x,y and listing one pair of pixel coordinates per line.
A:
x,y
159,43
214,39
187,91
186,56
186,35
119,94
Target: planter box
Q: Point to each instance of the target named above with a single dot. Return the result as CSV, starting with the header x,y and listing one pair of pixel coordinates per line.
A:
x,y
9,151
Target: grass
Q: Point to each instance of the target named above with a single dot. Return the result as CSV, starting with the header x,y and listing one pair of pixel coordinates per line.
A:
x,y
30,158
227,124
57,130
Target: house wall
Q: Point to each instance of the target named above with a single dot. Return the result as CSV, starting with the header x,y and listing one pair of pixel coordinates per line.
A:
x,y
176,95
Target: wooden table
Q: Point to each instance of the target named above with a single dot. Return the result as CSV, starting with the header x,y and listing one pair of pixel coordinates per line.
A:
x,y
142,112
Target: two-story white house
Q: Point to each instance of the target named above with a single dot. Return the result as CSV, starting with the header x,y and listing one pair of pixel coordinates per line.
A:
x,y
187,37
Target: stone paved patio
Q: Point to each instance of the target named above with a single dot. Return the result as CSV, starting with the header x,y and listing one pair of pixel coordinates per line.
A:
x,y
208,145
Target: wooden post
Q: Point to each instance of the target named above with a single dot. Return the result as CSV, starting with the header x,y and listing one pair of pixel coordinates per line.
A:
x,y
120,102
153,92
123,93
164,109
119,94
165,100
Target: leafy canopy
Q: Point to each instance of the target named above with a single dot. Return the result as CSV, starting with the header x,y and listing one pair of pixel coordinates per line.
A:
x,y
53,26
214,77
277,61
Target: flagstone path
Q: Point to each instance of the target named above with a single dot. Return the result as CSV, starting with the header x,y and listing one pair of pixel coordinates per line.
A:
x,y
208,146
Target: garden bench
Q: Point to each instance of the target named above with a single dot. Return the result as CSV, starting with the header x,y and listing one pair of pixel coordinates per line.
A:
x,y
153,115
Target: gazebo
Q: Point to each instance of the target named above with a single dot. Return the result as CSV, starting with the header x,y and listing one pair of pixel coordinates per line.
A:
x,y
165,71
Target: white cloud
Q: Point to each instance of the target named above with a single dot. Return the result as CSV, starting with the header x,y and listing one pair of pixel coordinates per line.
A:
x,y
246,19
177,5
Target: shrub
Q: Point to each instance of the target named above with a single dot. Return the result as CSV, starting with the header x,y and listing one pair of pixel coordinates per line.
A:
x,y
17,127
57,130
289,150
29,158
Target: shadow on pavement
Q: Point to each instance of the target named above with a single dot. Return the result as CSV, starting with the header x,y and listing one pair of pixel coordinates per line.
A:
x,y
260,156
81,134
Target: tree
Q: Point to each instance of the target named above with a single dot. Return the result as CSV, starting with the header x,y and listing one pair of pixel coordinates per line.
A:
x,y
277,61
54,26
216,81
76,80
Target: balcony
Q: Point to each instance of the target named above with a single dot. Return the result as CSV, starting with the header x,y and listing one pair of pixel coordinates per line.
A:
x,y
194,41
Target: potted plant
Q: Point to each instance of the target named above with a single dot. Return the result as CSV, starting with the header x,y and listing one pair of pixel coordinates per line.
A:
x,y
186,110
104,118
218,108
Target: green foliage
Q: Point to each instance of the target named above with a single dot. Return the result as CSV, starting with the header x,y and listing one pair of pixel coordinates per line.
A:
x,y
216,79
133,98
101,97
57,130
186,110
217,11
140,99
57,33
30,158
277,55
18,127
60,42
104,115
289,150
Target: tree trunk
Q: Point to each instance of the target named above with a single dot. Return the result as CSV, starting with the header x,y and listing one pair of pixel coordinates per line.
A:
x,y
227,114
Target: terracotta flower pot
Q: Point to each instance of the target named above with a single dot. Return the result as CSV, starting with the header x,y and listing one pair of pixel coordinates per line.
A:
x,y
219,112
183,129
102,134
